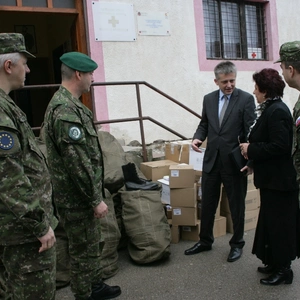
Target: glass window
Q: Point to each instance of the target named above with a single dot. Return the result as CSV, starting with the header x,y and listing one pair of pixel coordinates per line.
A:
x,y
234,29
64,3
34,3
8,2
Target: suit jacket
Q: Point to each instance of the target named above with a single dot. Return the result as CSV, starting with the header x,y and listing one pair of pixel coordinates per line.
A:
x,y
237,120
270,148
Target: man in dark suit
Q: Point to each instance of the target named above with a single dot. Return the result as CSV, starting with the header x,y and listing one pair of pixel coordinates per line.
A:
x,y
226,117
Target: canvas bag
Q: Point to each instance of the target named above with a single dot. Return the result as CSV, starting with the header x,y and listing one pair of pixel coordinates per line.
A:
x,y
146,225
114,158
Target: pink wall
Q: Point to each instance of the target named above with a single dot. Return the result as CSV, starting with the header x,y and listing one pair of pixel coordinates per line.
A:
x,y
244,65
96,53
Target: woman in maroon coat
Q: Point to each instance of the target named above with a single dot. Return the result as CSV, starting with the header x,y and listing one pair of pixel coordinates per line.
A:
x,y
269,153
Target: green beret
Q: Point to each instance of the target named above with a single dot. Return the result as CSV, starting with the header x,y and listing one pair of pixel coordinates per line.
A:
x,y
289,52
79,62
12,43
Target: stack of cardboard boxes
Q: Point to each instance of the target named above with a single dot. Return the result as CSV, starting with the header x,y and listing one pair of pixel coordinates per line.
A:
x,y
179,192
183,198
180,176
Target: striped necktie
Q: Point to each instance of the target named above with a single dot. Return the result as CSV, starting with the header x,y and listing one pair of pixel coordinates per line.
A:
x,y
222,113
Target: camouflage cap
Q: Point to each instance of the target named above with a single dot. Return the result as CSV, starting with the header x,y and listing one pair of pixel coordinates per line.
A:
x,y
289,51
78,61
12,43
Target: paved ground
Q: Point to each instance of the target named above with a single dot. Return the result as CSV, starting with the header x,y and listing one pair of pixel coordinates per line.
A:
x,y
202,276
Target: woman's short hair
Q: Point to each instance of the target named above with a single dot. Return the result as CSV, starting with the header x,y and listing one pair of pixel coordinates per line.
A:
x,y
270,82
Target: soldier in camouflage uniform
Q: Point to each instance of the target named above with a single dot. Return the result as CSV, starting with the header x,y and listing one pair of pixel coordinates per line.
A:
x,y
76,166
290,65
26,212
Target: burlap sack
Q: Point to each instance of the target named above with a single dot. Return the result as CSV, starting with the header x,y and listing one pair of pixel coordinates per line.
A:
x,y
114,158
146,226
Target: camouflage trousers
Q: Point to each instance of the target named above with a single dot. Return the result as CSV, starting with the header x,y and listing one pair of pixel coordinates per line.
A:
x,y
62,257
85,246
28,274
4,293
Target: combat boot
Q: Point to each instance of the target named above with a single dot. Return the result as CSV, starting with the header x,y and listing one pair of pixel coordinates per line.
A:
x,y
130,174
102,291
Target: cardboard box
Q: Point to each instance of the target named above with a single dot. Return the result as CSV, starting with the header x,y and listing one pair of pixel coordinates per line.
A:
x,y
252,200
184,216
198,176
175,234
250,182
168,211
219,227
181,176
196,159
251,217
165,192
199,192
184,197
178,151
154,170
191,233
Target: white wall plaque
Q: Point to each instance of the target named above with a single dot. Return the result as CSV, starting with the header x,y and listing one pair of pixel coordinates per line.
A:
x,y
113,21
153,23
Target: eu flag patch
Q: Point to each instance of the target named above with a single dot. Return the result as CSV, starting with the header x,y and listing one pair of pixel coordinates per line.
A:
x,y
6,140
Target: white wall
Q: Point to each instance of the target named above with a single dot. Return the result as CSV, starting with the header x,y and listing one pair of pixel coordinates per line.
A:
x,y
288,25
170,63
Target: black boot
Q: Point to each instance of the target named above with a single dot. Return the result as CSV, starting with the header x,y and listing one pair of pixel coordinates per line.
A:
x,y
133,182
284,274
268,269
130,174
102,291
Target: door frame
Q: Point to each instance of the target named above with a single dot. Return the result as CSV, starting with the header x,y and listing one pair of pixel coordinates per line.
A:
x,y
78,31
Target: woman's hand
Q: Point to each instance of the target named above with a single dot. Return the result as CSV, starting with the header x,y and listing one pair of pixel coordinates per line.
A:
x,y
244,149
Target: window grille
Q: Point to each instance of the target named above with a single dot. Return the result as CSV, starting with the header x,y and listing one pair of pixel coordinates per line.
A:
x,y
234,30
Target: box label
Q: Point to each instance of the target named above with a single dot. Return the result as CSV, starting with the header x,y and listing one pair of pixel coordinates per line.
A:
x,y
174,173
187,228
177,212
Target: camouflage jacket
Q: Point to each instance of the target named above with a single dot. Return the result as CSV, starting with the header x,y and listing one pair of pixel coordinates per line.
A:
x,y
26,209
296,138
73,152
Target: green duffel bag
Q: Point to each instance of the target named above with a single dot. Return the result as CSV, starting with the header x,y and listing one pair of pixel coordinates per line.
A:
x,y
146,226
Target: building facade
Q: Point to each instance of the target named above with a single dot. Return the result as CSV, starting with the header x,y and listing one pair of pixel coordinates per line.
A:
x,y
171,44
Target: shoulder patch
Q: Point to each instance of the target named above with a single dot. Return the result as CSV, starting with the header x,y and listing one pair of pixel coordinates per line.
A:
x,y
6,140
75,133
297,122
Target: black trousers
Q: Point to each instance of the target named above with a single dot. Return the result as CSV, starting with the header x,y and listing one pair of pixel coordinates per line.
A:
x,y
236,188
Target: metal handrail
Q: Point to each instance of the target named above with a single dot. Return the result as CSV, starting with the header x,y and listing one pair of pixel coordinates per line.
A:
x,y
140,117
